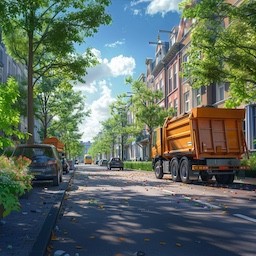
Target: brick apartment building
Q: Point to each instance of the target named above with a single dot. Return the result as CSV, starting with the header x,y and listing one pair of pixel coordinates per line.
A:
x,y
164,73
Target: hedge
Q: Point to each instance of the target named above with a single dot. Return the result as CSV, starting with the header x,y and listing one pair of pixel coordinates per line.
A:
x,y
138,165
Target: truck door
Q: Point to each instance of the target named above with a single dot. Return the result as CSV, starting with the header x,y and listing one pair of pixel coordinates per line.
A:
x,y
156,143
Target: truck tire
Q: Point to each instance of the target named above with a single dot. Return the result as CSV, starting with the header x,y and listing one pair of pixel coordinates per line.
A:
x,y
175,169
225,179
184,170
159,170
205,176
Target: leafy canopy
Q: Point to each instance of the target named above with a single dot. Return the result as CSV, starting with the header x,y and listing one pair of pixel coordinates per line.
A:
x,y
222,48
42,35
9,113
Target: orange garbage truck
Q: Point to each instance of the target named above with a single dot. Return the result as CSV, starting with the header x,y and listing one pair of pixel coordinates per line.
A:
x,y
204,143
56,142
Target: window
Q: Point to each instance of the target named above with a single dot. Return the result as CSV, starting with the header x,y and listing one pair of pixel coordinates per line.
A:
x,y
172,40
175,76
184,61
1,74
175,106
1,56
220,92
157,86
186,101
198,100
161,86
170,81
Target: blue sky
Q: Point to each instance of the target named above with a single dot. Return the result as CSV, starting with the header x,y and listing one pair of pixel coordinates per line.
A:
x,y
122,49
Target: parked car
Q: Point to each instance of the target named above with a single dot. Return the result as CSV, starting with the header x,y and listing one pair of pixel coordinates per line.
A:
x,y
45,165
103,162
115,162
65,164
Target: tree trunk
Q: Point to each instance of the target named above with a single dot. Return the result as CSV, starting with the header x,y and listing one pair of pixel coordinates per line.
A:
x,y
150,144
30,110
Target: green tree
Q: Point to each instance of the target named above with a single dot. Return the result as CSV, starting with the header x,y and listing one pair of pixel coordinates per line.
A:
x,y
55,97
219,53
42,34
45,103
102,143
9,112
68,112
122,130
145,109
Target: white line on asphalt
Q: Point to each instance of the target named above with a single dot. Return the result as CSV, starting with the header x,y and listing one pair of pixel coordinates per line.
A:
x,y
54,192
244,217
195,200
203,203
168,191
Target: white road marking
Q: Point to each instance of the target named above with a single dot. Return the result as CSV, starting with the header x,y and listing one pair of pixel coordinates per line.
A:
x,y
244,217
212,206
168,191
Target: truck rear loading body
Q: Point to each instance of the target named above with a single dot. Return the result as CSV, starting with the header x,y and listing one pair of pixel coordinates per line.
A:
x,y
206,142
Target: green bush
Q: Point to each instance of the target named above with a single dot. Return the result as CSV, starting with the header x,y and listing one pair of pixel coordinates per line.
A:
x,y
138,165
251,162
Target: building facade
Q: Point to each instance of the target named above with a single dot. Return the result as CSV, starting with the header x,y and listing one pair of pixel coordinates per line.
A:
x,y
164,73
9,67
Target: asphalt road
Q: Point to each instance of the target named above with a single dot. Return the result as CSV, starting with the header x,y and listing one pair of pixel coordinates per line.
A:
x,y
123,213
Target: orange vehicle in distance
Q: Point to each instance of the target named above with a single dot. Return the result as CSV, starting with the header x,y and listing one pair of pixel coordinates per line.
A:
x,y
87,159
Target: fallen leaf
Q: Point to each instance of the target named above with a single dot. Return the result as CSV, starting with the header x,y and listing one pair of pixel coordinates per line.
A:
x,y
121,239
54,237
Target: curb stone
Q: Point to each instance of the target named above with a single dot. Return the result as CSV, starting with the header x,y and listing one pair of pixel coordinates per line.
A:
x,y
42,241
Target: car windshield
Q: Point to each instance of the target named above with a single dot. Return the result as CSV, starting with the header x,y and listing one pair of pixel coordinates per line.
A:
x,y
115,159
35,153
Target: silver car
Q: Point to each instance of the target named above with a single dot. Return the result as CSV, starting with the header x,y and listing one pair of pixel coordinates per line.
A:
x,y
45,161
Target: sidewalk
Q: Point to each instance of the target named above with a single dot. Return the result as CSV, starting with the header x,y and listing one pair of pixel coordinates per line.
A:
x,y
27,232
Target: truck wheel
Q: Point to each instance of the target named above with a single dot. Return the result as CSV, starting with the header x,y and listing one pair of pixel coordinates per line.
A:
x,y
224,178
184,170
159,170
175,169
205,176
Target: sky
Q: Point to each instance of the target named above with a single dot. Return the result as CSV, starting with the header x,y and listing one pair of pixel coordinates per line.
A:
x,y
122,49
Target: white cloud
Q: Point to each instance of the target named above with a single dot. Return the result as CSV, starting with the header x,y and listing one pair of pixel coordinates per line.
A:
x,y
89,88
163,6
137,12
99,112
98,85
158,6
115,44
106,69
121,65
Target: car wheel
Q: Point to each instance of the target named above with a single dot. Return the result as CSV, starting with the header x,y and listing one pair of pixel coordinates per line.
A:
x,y
56,180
